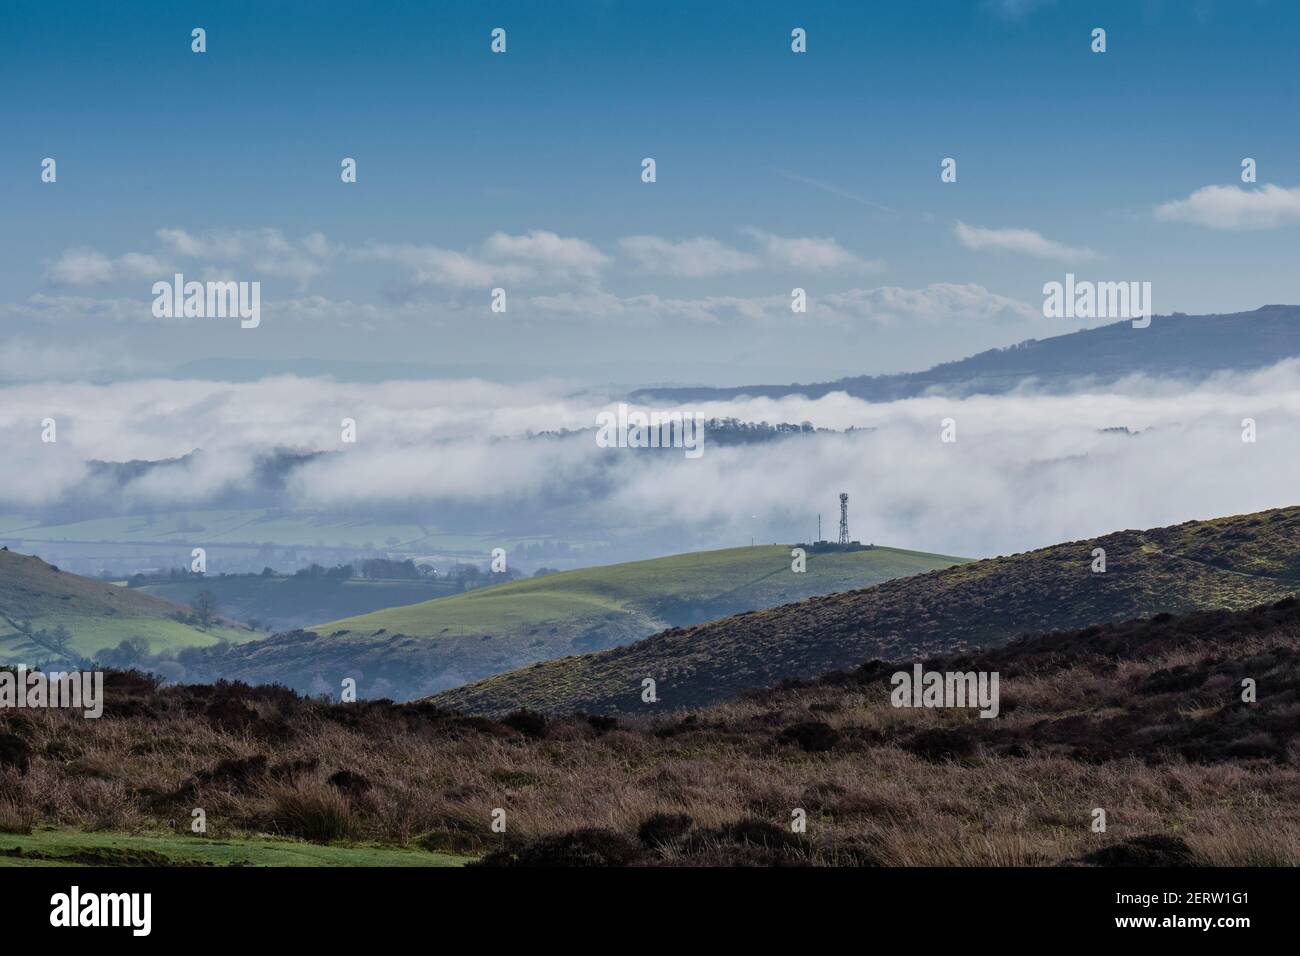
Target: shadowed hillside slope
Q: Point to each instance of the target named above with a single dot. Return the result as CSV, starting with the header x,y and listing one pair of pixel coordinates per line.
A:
x,y
1225,563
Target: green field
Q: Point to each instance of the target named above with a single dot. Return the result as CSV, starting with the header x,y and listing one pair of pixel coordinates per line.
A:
x,y
77,848
596,605
282,603
96,614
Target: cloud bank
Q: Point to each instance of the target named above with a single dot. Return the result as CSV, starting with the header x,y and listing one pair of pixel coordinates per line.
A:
x,y
1026,469
1234,208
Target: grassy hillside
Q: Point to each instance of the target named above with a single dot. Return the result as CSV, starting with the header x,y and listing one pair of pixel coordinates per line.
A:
x,y
282,603
416,650
96,614
1144,719
1226,563
609,605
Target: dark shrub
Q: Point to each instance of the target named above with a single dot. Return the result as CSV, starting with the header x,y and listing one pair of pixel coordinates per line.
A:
x,y
529,723
663,828
1173,679
349,782
756,832
746,842
229,714
1255,745
589,846
15,752
813,736
1153,850
130,683
238,774
940,744
685,725
602,725
291,770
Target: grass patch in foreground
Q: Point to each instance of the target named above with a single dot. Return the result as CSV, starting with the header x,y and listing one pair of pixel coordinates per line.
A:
x,y
77,848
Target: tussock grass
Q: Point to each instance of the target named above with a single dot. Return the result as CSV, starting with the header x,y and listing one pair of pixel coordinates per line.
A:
x,y
1143,720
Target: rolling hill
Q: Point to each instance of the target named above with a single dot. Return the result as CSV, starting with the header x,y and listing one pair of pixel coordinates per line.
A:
x,y
1184,346
418,649
283,602
1233,562
36,597
602,606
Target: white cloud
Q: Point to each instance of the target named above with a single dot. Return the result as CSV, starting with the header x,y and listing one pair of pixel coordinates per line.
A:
x,y
938,303
1231,207
1024,241
809,254
547,251
686,258
703,256
591,304
266,251
88,267
222,245
263,251
434,266
71,308
1035,468
538,255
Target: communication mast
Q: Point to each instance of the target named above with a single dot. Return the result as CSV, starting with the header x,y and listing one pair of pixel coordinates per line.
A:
x,y
844,517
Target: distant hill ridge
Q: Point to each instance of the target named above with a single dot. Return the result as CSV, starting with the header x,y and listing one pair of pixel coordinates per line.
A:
x,y
1228,563
1190,346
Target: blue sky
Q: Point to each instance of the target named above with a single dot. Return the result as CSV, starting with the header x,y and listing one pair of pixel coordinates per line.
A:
x,y
522,170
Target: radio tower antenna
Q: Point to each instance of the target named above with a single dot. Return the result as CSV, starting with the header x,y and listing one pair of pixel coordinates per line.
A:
x,y
844,517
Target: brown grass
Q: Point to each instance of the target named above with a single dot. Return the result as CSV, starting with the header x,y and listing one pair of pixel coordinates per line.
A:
x,y
1142,720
